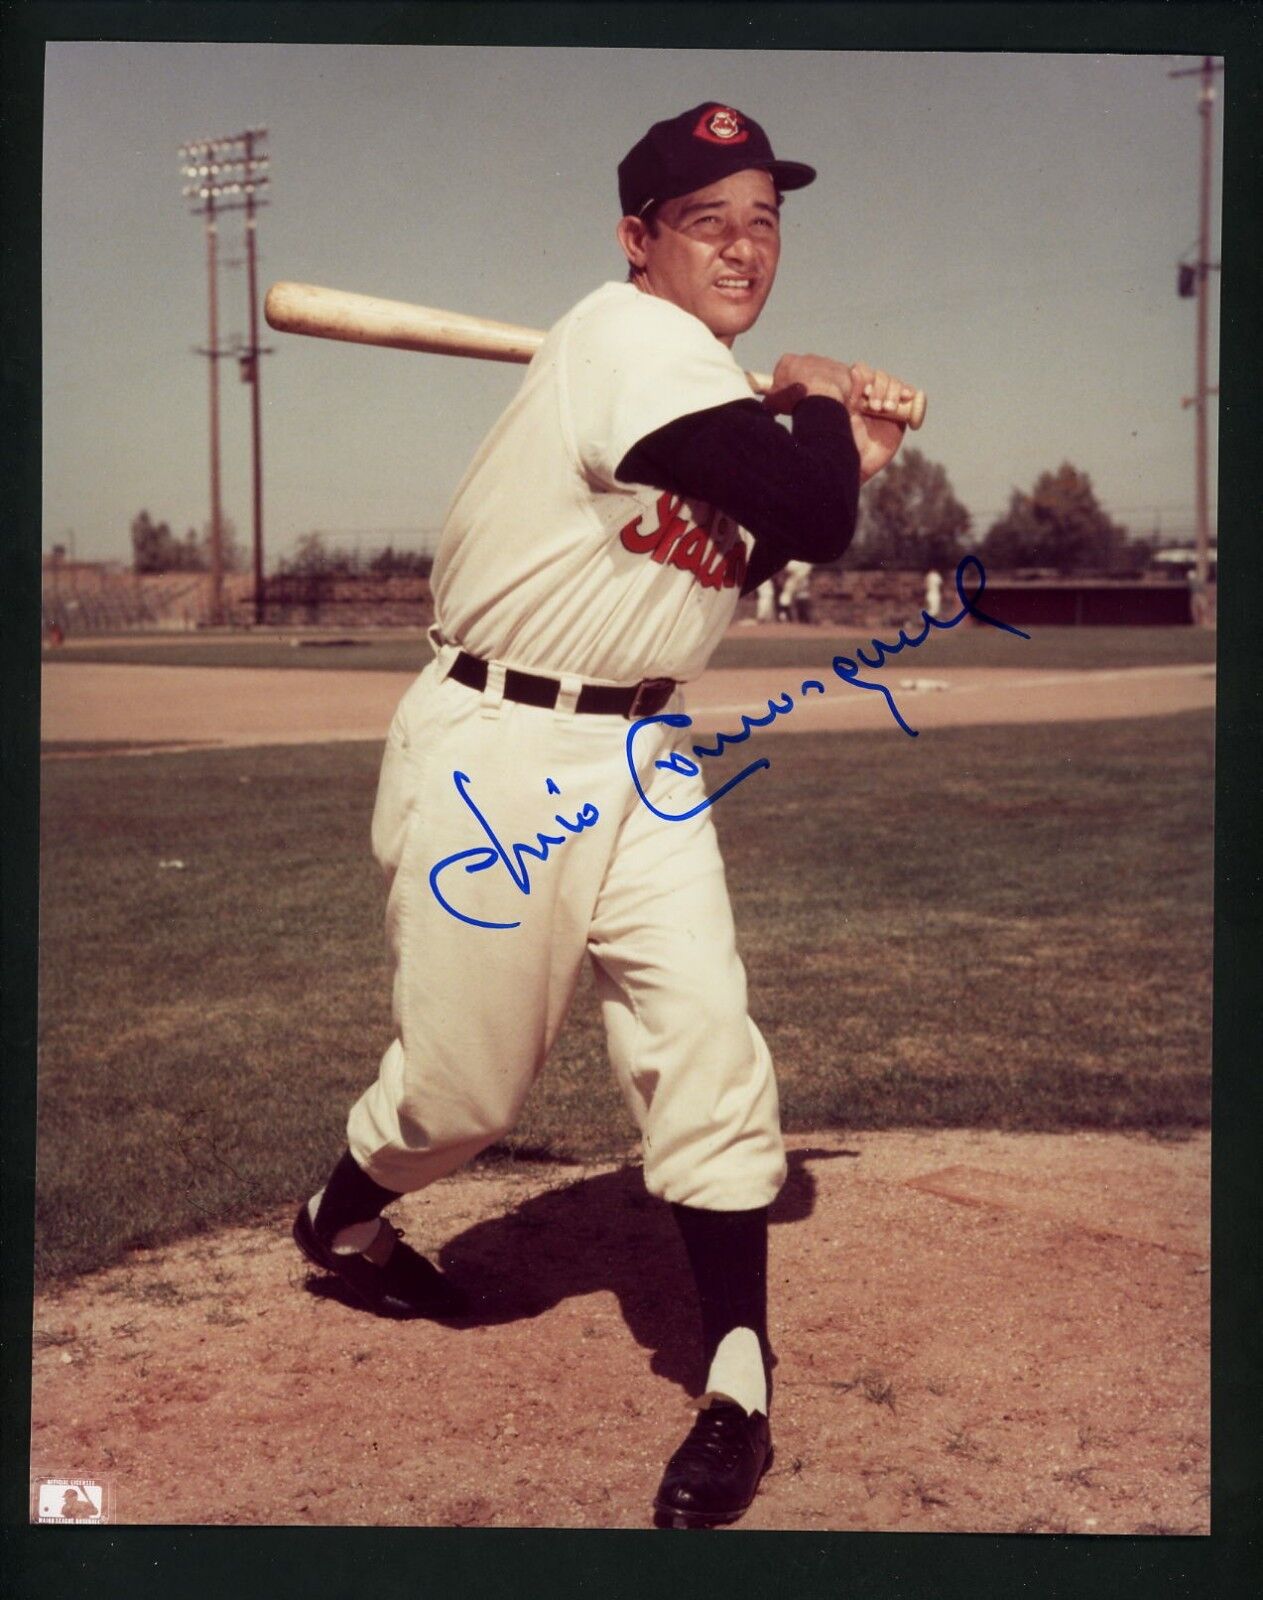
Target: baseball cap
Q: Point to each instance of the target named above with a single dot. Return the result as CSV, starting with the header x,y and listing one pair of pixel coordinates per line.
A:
x,y
698,147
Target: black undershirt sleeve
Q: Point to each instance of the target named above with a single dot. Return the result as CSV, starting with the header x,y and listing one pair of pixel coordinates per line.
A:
x,y
796,492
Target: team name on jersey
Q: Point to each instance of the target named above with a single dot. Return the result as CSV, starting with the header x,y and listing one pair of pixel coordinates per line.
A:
x,y
710,548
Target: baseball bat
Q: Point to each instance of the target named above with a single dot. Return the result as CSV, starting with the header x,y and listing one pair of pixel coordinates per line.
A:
x,y
397,325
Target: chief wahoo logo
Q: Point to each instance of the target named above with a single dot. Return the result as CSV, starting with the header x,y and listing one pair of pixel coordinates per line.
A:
x,y
721,125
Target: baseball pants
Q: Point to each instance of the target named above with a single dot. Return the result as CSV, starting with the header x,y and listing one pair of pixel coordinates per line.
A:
x,y
477,1009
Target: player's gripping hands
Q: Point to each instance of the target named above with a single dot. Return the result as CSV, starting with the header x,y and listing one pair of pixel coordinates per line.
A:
x,y
876,438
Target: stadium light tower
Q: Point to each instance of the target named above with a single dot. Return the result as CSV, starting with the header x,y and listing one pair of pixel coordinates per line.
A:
x,y
228,174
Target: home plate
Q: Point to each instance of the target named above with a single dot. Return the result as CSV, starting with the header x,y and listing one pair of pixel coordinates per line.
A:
x,y
924,685
1077,1208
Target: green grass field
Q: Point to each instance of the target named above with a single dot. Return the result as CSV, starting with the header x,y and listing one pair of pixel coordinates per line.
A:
x,y
1002,927
967,646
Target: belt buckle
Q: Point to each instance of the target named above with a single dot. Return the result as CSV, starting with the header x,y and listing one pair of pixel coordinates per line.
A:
x,y
650,697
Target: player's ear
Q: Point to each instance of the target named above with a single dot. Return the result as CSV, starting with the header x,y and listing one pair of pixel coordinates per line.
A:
x,y
631,232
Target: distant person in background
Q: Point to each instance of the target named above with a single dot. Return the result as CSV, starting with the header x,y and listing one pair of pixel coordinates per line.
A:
x,y
794,601
765,601
1198,600
933,592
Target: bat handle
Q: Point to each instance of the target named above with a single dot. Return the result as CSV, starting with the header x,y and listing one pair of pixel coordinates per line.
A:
x,y
911,412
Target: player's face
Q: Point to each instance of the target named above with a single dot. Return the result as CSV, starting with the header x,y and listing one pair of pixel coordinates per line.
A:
x,y
716,252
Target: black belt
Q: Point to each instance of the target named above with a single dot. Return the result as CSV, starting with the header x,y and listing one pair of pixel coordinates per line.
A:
x,y
644,699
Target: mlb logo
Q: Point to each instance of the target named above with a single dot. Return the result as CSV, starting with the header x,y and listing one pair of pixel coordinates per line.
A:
x,y
70,1500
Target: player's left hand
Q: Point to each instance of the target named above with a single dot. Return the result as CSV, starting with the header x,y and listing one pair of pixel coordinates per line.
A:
x,y
876,438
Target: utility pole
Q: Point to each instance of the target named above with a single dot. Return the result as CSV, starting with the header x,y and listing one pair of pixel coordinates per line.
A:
x,y
226,175
255,166
1204,266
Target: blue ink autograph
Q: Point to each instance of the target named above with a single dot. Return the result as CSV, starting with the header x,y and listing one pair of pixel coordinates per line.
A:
x,y
480,858
847,668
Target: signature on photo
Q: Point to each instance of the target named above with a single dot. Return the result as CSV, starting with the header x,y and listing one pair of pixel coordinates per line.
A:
x,y
515,858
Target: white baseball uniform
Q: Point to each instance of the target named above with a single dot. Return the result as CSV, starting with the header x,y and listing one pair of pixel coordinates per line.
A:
x,y
795,586
513,837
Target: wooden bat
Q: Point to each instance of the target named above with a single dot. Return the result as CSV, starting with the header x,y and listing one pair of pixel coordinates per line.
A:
x,y
397,325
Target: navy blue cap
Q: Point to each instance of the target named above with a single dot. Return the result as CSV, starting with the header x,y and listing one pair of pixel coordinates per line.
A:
x,y
699,147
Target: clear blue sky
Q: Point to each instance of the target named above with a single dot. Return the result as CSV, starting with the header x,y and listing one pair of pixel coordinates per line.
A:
x,y
1002,229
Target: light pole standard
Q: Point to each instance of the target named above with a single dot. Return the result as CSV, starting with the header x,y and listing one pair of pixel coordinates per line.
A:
x,y
227,174
255,165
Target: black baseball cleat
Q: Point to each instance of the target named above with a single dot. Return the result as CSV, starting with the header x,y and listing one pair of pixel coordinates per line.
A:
x,y
407,1286
713,1476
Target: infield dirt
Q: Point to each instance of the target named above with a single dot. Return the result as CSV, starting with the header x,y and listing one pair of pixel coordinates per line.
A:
x,y
975,1331
242,706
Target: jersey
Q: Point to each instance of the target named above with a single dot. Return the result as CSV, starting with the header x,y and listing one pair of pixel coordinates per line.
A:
x,y
797,581
548,562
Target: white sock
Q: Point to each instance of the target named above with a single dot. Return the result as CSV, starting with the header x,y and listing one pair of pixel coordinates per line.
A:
x,y
737,1370
350,1241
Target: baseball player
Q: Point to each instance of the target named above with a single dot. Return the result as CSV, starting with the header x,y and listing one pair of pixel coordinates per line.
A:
x,y
591,561
793,603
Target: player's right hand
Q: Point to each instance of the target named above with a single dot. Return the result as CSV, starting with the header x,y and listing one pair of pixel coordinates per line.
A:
x,y
877,438
798,376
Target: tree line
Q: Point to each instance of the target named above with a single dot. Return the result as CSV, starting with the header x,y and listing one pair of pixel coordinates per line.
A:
x,y
910,520
156,549
313,558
